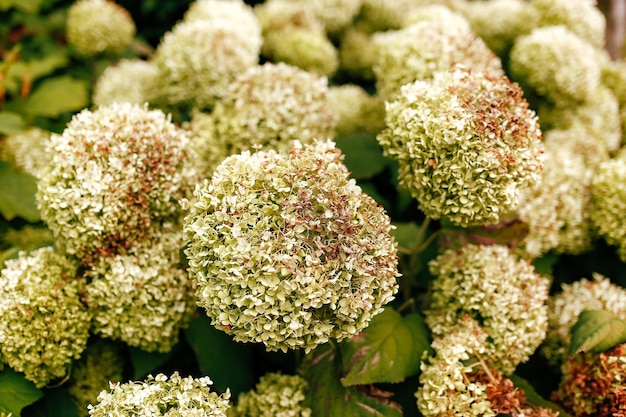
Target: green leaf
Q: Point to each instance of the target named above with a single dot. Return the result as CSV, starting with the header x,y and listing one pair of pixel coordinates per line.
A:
x,y
57,95
146,362
328,397
11,123
534,398
28,6
227,362
16,392
34,69
597,331
406,233
388,350
57,402
363,155
17,194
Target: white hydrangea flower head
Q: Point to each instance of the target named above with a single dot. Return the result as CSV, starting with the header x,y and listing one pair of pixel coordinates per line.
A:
x,y
501,292
335,15
356,110
235,12
114,172
275,395
27,150
556,64
144,296
430,45
565,307
128,81
467,144
197,60
287,250
44,325
161,395
437,13
99,26
609,203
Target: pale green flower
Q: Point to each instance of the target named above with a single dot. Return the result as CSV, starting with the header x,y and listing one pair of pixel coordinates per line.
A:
x,y
28,237
144,296
276,15
275,395
382,15
356,110
502,293
556,64
97,26
129,81
26,150
357,53
235,12
466,143
335,15
113,173
287,250
44,325
159,395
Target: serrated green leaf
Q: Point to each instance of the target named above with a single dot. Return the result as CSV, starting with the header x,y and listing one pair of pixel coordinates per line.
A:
x,y
57,95
147,362
16,392
328,397
363,155
388,350
17,194
11,123
227,362
597,331
57,402
534,398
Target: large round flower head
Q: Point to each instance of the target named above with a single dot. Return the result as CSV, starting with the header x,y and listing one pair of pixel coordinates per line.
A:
x,y
357,54
26,150
287,250
97,26
609,203
269,106
335,15
275,395
162,396
382,15
581,17
556,64
426,47
466,143
143,297
500,292
197,60
356,110
235,12
565,307
128,81
44,325
114,172
276,15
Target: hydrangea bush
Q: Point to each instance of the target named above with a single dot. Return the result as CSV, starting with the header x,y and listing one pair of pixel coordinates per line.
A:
x,y
311,208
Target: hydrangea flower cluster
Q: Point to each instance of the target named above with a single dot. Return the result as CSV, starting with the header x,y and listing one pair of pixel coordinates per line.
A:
x,y
356,110
43,323
467,145
128,81
235,12
609,203
288,251
162,396
383,15
98,26
501,293
357,54
26,150
142,297
335,15
275,395
565,307
114,172
430,45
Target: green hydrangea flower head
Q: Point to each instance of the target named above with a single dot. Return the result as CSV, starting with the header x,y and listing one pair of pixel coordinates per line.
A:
x,y
197,59
609,203
335,15
144,296
128,81
235,12
467,144
44,325
102,362
286,249
428,46
113,173
275,395
356,110
161,395
276,15
26,150
565,307
382,15
267,107
28,237
99,26
357,54
556,64
502,293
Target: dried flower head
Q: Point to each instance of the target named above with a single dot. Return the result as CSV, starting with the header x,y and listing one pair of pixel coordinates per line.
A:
x,y
44,325
128,81
275,395
113,173
162,396
97,26
26,150
502,293
466,143
287,250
